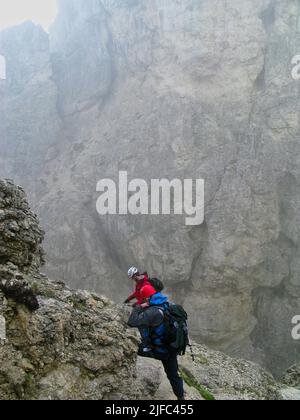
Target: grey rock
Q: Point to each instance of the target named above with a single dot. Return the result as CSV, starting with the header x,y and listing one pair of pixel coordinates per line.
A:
x,y
74,345
292,377
151,376
20,234
290,394
226,378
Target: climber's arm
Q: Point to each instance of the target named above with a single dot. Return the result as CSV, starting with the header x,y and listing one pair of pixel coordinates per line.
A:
x,y
140,317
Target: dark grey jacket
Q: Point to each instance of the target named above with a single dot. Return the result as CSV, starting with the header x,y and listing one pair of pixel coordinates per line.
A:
x,y
146,318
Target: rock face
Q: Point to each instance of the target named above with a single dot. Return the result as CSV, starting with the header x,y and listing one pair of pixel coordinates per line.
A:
x,y
292,377
291,384
76,344
175,89
228,379
215,376
20,244
20,234
30,124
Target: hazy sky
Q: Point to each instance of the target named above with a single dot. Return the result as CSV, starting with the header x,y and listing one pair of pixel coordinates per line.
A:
x,y
14,12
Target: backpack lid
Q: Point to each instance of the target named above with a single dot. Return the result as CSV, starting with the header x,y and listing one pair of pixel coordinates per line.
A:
x,y
158,299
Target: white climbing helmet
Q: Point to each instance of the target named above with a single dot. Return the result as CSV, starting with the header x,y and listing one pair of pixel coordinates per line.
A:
x,y
132,272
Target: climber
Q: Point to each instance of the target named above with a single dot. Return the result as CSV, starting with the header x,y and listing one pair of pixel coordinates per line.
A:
x,y
141,280
149,319
145,345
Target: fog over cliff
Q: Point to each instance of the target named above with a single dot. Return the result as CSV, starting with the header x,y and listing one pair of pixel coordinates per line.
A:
x,y
167,89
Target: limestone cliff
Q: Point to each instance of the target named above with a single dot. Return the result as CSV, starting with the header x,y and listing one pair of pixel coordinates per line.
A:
x,y
73,344
76,344
175,89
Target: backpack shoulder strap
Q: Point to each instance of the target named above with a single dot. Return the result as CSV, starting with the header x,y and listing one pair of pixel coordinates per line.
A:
x,y
164,308
162,311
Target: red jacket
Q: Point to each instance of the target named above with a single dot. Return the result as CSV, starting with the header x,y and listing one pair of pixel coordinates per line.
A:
x,y
137,293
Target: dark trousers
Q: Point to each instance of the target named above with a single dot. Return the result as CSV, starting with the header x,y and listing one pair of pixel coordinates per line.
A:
x,y
170,364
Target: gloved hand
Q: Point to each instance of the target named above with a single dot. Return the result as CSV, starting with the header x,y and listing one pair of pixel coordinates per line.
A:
x,y
126,301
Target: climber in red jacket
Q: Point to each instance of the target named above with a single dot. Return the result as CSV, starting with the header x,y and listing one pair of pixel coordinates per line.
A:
x,y
141,280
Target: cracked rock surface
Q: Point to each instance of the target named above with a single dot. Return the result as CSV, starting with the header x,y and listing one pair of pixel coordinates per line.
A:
x,y
55,343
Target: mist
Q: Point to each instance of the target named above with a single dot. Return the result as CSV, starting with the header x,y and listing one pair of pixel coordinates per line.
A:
x,y
15,12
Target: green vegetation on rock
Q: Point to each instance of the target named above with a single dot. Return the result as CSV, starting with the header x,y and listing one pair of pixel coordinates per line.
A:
x,y
191,381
